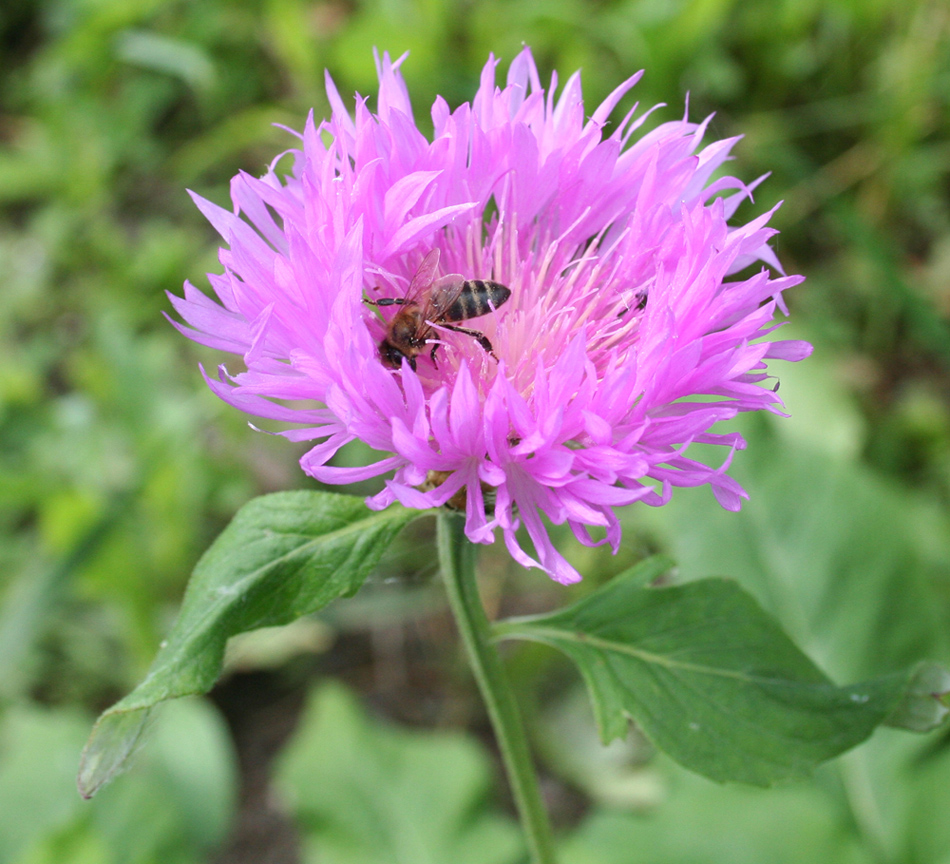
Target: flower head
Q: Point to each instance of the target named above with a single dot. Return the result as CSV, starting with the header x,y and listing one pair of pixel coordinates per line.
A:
x,y
622,339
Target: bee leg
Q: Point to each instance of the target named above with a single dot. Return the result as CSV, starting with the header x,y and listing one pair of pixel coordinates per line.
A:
x,y
434,349
385,301
477,335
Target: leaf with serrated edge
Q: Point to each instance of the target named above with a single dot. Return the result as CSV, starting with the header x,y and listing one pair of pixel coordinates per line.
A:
x,y
283,556
709,677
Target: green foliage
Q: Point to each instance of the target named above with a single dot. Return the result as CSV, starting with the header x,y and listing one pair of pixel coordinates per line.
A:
x,y
710,678
704,822
858,578
888,804
184,785
283,556
364,793
846,574
37,792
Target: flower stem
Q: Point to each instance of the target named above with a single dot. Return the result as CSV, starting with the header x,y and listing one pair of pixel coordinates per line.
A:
x,y
457,559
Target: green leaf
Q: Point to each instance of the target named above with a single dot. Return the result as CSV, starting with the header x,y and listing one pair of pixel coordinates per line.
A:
x,y
178,801
703,822
195,767
710,677
364,793
858,577
175,806
283,556
925,829
37,761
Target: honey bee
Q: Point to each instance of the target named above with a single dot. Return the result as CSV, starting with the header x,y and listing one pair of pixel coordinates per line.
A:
x,y
431,301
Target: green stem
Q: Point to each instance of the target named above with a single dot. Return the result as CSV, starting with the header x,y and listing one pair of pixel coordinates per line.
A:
x,y
457,559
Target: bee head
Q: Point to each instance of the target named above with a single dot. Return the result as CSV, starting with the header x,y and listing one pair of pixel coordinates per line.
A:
x,y
392,357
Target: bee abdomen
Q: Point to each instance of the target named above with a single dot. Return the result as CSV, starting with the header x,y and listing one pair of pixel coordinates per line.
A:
x,y
477,297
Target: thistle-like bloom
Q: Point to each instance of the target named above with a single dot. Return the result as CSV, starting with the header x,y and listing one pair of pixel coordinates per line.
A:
x,y
622,342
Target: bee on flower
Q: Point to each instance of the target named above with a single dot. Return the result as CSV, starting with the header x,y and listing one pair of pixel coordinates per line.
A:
x,y
430,303
612,328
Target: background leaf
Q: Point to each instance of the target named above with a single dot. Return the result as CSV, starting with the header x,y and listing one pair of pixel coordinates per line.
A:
x,y
283,556
702,822
710,678
37,761
174,806
364,793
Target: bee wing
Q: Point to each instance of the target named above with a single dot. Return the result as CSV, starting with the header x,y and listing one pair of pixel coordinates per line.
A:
x,y
424,276
445,291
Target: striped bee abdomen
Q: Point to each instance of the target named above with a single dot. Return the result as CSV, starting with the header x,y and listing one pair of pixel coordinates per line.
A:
x,y
477,297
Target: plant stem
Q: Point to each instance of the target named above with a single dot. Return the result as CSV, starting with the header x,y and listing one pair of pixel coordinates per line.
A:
x,y
457,559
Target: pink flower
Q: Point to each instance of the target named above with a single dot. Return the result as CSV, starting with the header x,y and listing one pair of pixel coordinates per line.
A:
x,y
623,340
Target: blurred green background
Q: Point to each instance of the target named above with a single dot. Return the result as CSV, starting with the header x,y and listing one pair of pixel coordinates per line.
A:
x,y
357,738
